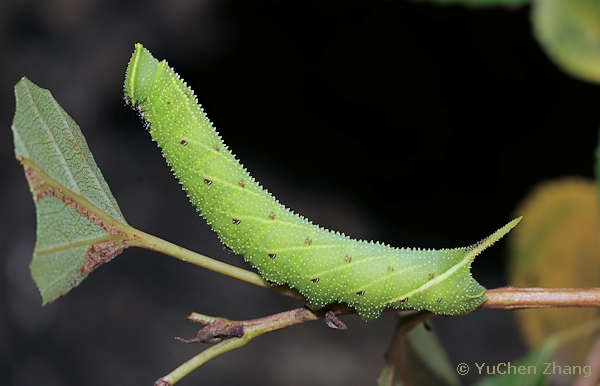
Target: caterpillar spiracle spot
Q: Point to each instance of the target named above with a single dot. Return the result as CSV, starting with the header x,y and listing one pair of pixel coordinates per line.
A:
x,y
286,248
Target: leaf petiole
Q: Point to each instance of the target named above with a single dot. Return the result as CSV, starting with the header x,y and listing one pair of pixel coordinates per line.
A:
x,y
144,240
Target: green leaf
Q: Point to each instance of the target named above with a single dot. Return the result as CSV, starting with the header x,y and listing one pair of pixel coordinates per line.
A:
x,y
79,223
536,359
532,369
480,3
569,31
420,354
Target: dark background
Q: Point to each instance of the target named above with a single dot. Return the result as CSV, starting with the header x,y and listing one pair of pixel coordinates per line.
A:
x,y
412,124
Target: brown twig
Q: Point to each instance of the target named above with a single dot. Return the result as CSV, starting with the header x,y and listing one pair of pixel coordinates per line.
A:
x,y
508,298
514,298
238,334
216,329
233,334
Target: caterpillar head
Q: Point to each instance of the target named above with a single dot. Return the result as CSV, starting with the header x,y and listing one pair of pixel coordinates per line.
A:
x,y
140,75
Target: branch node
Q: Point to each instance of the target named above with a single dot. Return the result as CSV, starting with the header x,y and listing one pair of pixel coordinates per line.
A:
x,y
216,332
332,321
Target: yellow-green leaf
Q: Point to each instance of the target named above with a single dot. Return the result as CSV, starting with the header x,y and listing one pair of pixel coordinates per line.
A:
x,y
79,224
557,245
533,369
569,31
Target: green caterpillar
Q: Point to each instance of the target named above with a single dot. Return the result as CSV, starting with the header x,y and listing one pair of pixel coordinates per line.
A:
x,y
285,247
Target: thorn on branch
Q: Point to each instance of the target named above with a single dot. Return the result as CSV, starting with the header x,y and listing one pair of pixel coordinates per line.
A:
x,y
332,321
215,332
